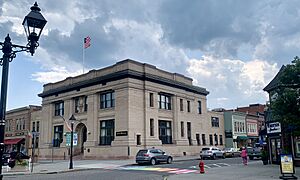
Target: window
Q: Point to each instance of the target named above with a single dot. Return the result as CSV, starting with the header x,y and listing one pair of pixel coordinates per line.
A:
x,y
203,139
214,121
210,140
58,135
107,100
199,107
23,123
189,133
8,125
181,104
38,126
151,127
151,99
76,101
188,106
165,132
198,139
107,131
18,124
33,126
221,139
216,139
164,101
59,109
138,139
85,105
182,128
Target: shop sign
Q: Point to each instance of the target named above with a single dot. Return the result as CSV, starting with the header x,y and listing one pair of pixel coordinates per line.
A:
x,y
287,166
273,127
228,134
19,134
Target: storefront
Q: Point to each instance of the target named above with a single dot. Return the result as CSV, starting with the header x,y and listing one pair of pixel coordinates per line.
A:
x,y
14,144
274,141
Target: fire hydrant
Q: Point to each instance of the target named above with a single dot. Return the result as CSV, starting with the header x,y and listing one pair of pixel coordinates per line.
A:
x,y
201,166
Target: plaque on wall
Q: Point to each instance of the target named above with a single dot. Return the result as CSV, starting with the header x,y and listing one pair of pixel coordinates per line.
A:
x,y
122,133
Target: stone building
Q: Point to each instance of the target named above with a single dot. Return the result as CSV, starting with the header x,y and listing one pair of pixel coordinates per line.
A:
x,y
17,129
126,107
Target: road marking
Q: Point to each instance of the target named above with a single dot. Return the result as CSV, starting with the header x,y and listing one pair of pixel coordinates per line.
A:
x,y
224,164
217,165
207,166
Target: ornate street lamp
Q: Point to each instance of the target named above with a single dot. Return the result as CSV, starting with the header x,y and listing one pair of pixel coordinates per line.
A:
x,y
72,119
33,23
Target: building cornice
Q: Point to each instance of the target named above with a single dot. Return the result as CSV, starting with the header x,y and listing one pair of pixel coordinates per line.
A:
x,y
128,73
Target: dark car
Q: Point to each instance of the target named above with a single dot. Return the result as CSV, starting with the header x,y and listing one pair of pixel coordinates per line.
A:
x,y
152,156
8,160
18,155
253,152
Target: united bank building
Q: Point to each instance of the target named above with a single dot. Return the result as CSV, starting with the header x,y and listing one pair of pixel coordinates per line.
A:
x,y
126,107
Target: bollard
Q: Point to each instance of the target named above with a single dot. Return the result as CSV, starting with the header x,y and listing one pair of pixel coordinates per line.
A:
x,y
201,166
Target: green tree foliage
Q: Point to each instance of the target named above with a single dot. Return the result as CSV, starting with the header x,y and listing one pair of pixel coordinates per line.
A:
x,y
286,106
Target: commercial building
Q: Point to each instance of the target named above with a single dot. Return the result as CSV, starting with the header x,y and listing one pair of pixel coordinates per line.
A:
x,y
235,129
125,107
17,129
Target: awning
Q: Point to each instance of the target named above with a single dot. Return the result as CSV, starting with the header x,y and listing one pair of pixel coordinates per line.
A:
x,y
13,141
242,137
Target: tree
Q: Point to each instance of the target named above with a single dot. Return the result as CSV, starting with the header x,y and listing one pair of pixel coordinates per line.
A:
x,y
286,106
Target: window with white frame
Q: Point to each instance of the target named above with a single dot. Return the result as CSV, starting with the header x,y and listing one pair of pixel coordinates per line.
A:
x,y
107,100
164,101
59,108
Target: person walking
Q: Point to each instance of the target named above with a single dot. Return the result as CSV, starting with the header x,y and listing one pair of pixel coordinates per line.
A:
x,y
244,156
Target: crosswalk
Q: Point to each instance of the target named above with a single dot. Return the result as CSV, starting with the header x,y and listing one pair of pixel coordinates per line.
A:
x,y
208,166
173,170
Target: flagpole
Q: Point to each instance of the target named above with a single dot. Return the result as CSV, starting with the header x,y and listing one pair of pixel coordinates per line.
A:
x,y
83,57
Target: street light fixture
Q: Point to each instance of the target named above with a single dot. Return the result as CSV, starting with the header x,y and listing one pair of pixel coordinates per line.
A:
x,y
72,119
33,23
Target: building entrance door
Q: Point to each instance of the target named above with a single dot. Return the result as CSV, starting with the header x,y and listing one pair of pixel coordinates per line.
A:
x,y
275,150
82,137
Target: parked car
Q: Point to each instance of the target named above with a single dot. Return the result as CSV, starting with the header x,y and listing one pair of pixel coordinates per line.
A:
x,y
211,152
253,152
231,152
153,156
7,160
18,155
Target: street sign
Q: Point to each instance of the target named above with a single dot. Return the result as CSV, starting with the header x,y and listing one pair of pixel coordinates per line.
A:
x,y
36,134
68,139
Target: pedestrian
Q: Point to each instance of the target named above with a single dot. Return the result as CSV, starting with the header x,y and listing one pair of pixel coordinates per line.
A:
x,y
244,156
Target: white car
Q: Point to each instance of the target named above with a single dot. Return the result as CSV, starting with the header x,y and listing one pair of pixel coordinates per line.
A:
x,y
212,152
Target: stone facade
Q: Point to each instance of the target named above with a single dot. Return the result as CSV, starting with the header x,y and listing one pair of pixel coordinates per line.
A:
x,y
123,108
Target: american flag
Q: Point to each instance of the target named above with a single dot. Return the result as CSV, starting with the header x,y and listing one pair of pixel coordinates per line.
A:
x,y
87,42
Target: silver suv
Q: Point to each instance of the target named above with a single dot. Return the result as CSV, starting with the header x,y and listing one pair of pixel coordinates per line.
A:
x,y
152,156
211,152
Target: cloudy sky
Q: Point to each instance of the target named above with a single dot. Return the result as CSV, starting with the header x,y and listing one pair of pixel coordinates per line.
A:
x,y
232,48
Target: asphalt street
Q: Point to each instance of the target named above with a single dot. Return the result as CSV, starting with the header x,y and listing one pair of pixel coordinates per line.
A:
x,y
136,172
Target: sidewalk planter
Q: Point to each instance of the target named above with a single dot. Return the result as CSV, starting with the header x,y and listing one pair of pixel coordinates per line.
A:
x,y
21,165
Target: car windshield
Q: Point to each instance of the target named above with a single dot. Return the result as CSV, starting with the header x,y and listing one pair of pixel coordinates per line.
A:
x,y
227,149
205,149
142,152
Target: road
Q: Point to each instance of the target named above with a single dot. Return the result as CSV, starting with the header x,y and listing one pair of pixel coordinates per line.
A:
x,y
136,172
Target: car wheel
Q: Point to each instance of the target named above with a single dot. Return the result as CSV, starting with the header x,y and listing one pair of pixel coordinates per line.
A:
x,y
214,157
169,160
251,158
223,156
232,155
153,161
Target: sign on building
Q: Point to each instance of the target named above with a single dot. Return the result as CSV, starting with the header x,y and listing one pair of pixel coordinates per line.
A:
x,y
68,139
273,127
